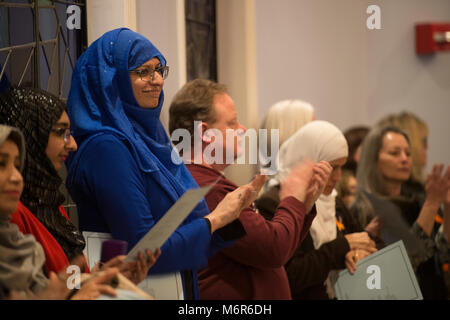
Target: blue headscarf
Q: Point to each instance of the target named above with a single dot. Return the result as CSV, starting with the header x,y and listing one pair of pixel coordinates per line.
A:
x,y
101,100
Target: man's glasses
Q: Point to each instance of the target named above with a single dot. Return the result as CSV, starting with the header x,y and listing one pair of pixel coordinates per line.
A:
x,y
149,75
65,133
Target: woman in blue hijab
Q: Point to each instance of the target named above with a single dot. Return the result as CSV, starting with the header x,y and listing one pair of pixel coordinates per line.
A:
x,y
122,177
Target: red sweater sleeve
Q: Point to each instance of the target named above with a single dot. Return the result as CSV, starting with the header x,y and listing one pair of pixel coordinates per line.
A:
x,y
55,258
267,244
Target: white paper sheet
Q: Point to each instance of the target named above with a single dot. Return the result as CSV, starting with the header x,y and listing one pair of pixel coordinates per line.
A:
x,y
162,230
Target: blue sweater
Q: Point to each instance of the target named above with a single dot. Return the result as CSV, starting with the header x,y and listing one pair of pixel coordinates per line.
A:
x,y
114,196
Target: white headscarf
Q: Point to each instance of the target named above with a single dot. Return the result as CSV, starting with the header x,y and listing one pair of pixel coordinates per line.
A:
x,y
316,141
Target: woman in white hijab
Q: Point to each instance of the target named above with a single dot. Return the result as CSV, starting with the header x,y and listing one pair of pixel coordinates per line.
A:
x,y
336,240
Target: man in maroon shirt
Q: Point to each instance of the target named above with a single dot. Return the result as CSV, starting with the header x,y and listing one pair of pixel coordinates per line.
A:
x,y
253,267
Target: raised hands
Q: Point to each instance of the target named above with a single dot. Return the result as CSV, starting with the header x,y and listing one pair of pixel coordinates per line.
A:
x,y
298,182
306,182
437,190
256,184
322,171
437,186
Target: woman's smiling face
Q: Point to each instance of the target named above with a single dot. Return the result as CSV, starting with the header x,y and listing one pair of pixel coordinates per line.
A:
x,y
59,146
11,182
146,92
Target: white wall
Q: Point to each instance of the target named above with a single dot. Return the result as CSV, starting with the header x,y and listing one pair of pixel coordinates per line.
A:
x,y
106,15
316,50
322,52
313,50
401,80
163,23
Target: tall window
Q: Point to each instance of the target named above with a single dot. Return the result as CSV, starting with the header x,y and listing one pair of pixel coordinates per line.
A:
x,y
201,39
40,42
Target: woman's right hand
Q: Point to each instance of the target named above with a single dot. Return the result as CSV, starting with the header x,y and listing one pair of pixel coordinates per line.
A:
x,y
436,186
436,193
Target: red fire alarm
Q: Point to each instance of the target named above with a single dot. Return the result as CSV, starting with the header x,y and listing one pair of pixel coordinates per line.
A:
x,y
432,37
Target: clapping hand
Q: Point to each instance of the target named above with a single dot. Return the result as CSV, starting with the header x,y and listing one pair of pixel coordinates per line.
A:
x,y
437,186
322,171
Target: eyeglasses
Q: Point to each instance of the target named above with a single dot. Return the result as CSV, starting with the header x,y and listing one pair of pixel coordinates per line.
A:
x,y
65,133
149,75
